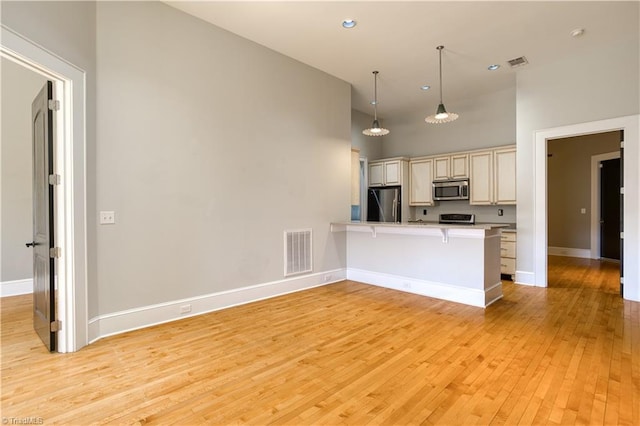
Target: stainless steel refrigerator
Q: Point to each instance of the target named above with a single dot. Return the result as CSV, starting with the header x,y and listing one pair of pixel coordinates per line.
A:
x,y
384,204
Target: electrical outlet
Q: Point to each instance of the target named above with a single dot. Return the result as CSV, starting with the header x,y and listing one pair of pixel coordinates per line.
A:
x,y
107,217
500,212
185,309
424,212
327,278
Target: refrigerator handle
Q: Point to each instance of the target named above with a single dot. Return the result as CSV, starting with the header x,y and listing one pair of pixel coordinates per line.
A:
x,y
394,209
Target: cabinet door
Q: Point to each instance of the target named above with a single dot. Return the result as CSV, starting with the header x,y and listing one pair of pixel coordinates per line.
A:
x,y
392,173
420,183
481,178
505,176
459,166
441,168
376,174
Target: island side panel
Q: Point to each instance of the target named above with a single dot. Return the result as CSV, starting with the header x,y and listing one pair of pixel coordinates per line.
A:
x,y
460,268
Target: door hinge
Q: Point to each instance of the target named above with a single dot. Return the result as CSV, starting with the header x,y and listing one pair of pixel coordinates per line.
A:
x,y
622,235
622,190
55,326
55,252
621,280
622,144
54,105
600,165
54,179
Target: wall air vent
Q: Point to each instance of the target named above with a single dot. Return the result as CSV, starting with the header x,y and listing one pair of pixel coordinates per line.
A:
x,y
297,252
517,62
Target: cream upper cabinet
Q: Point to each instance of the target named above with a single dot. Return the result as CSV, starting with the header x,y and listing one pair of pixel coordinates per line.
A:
x,y
452,166
505,175
387,172
376,174
420,182
392,173
493,176
481,178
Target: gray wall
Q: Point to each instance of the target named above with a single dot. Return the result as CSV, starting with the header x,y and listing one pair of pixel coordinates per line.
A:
x,y
207,147
370,146
484,121
482,213
19,87
588,86
569,186
68,29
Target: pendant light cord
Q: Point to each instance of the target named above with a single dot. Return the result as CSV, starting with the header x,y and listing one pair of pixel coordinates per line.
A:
x,y
440,55
375,95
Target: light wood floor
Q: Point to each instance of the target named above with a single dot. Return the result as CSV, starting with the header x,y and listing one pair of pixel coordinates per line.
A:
x,y
349,353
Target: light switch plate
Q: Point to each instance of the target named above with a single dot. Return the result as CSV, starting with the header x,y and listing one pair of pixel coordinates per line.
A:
x,y
107,218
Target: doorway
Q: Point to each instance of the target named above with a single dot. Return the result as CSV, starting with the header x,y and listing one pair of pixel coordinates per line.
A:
x,y
630,125
69,196
19,87
576,200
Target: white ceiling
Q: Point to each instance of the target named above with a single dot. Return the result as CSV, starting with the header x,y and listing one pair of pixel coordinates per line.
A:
x,y
399,39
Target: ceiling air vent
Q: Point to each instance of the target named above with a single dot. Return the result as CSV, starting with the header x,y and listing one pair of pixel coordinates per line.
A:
x,y
518,62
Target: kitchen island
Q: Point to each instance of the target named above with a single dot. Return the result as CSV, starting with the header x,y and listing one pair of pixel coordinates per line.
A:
x,y
459,263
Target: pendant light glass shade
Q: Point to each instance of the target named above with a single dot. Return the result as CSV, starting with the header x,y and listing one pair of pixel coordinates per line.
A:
x,y
375,129
441,115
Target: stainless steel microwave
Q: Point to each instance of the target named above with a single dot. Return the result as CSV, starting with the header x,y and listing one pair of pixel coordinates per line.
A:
x,y
457,189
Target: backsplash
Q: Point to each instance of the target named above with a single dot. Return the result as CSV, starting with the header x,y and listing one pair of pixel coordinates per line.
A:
x,y
483,213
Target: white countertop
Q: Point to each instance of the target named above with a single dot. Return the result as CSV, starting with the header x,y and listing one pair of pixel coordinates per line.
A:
x,y
424,225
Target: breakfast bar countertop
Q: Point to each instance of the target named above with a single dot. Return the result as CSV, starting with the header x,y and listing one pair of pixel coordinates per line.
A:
x,y
335,226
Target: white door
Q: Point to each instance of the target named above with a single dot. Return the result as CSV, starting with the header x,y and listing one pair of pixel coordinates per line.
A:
x,y
43,238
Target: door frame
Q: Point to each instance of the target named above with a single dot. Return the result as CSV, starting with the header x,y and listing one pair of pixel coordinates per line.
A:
x,y
70,194
595,200
631,243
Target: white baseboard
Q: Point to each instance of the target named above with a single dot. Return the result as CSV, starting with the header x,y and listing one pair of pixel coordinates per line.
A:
x,y
132,319
525,278
468,296
570,252
16,287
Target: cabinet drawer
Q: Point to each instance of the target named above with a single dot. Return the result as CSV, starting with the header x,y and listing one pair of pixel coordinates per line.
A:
x,y
507,266
508,236
508,249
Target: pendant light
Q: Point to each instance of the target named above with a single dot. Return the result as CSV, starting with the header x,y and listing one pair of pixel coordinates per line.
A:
x,y
441,115
375,129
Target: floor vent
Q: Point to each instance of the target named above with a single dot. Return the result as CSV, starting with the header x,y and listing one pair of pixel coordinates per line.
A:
x,y
297,252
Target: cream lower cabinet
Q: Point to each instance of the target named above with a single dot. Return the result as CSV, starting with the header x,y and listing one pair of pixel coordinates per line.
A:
x,y
421,182
492,176
508,254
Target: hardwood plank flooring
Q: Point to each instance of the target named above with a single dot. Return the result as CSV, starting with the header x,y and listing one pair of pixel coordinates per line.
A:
x,y
349,353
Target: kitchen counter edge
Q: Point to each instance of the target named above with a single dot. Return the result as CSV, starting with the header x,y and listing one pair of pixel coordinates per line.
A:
x,y
422,225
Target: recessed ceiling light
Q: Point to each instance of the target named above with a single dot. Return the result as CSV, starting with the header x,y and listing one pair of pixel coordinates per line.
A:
x,y
425,87
493,67
349,23
577,32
